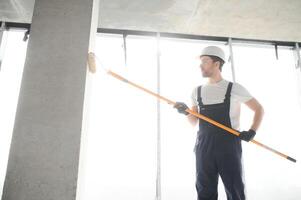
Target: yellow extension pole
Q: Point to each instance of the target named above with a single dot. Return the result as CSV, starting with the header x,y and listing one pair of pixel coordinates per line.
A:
x,y
92,64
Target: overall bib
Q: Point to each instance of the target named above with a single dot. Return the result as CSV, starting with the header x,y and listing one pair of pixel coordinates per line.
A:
x,y
218,153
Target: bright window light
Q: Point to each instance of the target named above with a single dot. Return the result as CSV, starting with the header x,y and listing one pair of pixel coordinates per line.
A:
x,y
275,84
10,81
121,146
121,160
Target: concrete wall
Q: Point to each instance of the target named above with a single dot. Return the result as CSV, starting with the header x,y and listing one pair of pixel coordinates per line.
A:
x,y
44,154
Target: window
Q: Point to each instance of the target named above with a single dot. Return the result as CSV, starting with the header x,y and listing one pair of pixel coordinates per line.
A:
x,y
10,81
274,83
121,143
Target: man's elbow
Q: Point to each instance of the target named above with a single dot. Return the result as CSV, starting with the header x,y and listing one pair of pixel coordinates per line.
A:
x,y
260,110
193,120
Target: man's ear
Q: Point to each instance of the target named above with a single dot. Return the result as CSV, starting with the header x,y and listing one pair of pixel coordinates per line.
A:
x,y
217,64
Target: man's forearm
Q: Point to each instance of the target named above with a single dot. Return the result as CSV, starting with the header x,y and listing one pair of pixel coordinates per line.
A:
x,y
258,115
192,119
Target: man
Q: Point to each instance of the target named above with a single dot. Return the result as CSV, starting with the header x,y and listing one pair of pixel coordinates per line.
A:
x,y
218,153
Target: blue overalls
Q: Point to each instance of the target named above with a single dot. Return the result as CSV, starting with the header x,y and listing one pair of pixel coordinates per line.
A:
x,y
218,153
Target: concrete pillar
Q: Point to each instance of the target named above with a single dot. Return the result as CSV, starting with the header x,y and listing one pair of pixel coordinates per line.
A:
x,y
44,154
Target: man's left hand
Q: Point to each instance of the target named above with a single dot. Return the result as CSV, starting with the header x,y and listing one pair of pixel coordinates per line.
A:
x,y
247,135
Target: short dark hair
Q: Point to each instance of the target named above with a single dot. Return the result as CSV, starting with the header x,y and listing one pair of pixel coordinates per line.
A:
x,y
218,59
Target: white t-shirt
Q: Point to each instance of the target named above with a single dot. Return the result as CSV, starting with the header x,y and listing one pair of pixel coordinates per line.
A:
x,y
215,93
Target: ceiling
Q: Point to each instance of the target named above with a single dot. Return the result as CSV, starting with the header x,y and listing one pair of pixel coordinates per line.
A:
x,y
257,19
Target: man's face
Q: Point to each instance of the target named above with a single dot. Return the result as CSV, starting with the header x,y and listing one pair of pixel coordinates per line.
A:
x,y
207,66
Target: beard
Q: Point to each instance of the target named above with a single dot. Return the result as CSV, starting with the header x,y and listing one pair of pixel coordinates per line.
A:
x,y
206,74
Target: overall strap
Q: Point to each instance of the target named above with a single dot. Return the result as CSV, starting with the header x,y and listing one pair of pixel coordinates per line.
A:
x,y
199,96
228,93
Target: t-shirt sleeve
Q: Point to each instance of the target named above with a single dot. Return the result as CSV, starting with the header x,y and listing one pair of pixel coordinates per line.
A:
x,y
194,97
240,93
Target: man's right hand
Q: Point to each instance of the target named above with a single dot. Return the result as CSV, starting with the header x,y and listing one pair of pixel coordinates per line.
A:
x,y
181,107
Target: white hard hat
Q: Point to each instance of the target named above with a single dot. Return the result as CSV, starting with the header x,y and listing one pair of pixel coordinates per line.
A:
x,y
214,51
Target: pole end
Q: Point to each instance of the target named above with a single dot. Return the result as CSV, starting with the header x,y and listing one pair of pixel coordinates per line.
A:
x,y
91,62
291,159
